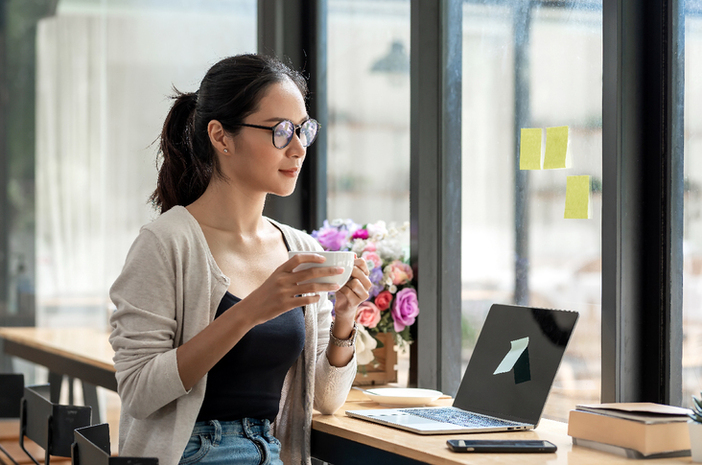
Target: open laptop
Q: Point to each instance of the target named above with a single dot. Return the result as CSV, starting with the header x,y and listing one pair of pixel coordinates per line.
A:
x,y
507,379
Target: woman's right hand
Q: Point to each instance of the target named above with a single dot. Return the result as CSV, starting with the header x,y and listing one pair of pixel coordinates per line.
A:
x,y
286,288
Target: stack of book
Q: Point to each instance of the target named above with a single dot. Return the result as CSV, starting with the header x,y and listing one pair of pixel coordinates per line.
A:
x,y
633,430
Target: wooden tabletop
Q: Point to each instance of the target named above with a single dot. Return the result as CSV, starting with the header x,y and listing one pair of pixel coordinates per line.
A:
x,y
432,448
85,345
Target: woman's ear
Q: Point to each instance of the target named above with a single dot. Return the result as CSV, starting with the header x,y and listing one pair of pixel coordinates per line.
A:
x,y
219,138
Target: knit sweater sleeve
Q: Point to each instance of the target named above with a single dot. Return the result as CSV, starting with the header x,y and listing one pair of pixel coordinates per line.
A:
x,y
144,328
332,384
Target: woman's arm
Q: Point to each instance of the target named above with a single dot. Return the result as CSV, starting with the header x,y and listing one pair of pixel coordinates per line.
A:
x,y
348,298
278,294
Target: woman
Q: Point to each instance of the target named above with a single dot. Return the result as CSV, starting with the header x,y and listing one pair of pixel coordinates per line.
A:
x,y
220,354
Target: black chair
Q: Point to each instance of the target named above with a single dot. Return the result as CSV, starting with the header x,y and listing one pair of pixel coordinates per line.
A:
x,y
92,447
11,391
48,424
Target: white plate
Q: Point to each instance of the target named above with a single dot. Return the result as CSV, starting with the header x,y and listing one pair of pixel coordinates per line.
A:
x,y
403,397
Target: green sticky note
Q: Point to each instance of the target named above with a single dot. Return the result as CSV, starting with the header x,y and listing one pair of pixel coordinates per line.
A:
x,y
577,205
530,149
557,155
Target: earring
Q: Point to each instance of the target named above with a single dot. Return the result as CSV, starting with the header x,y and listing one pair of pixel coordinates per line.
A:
x,y
226,151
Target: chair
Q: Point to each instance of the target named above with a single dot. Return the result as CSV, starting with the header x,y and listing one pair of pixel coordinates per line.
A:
x,y
92,447
12,389
48,424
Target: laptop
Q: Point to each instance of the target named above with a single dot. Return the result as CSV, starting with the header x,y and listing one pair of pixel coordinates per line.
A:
x,y
507,381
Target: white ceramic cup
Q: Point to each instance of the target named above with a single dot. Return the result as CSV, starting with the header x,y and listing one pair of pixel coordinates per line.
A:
x,y
342,259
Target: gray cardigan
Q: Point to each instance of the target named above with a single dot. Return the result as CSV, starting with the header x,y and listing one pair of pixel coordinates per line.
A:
x,y
168,291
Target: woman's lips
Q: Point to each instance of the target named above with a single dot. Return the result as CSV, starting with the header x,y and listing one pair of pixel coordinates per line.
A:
x,y
291,172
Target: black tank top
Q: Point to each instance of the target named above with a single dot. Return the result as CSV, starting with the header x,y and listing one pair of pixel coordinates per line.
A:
x,y
247,381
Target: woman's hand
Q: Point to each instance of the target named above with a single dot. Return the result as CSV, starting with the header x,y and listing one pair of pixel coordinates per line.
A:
x,y
348,298
355,291
285,288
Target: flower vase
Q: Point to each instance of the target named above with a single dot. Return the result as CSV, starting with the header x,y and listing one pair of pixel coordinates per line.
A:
x,y
383,369
695,440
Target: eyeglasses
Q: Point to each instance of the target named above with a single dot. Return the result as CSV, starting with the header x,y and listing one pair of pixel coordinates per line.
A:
x,y
283,132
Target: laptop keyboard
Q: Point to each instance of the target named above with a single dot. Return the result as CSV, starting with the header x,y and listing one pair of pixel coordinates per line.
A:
x,y
459,417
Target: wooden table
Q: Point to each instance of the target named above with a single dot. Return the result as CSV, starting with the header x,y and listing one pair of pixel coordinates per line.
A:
x,y
343,440
87,355
81,353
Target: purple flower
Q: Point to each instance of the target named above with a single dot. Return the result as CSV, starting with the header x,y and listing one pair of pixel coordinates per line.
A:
x,y
376,275
405,308
330,238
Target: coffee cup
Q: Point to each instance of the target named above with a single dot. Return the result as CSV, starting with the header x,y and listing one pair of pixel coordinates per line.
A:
x,y
337,259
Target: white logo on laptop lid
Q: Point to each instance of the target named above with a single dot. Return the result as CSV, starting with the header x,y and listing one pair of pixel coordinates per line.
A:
x,y
518,359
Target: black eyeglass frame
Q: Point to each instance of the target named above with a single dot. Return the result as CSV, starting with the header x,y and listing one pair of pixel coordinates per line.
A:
x,y
296,130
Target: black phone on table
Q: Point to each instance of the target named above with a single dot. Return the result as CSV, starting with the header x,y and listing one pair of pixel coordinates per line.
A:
x,y
500,445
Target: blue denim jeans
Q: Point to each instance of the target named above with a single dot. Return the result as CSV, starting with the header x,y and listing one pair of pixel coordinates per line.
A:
x,y
241,442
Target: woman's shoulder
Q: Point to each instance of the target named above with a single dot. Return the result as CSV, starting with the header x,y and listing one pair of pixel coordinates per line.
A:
x,y
175,229
175,222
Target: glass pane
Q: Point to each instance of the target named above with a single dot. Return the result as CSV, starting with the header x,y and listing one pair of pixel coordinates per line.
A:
x,y
692,235
537,67
369,101
105,70
368,161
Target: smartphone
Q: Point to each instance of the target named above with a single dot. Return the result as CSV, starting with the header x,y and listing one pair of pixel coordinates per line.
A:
x,y
500,445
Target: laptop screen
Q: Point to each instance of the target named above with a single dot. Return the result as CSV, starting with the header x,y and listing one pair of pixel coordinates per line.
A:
x,y
515,361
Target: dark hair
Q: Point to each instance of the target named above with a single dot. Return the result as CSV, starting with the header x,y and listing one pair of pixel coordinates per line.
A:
x,y
230,91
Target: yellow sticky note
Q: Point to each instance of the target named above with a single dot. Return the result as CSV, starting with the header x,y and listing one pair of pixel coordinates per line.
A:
x,y
557,154
530,149
577,205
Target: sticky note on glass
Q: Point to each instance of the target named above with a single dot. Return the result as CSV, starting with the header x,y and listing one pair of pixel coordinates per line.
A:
x,y
530,149
557,154
578,204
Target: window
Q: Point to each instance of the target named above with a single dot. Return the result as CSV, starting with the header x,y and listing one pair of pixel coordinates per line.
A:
x,y
105,70
368,155
534,68
692,241
369,110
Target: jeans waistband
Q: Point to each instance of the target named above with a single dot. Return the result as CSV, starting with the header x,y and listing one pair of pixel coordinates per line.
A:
x,y
246,427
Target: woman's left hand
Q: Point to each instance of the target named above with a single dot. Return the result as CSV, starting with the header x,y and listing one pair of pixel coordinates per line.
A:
x,y
355,291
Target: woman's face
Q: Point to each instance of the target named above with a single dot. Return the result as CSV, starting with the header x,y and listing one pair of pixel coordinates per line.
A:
x,y
255,164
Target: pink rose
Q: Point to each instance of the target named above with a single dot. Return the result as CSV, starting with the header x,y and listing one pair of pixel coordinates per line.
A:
x,y
360,234
400,273
370,247
368,314
405,309
372,257
382,300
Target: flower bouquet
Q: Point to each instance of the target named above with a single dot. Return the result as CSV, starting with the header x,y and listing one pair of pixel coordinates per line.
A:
x,y
392,306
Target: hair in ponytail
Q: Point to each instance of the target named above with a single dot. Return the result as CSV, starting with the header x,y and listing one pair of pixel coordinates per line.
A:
x,y
230,91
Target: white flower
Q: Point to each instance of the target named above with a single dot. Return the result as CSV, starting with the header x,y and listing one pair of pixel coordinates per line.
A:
x,y
377,230
357,246
365,343
390,250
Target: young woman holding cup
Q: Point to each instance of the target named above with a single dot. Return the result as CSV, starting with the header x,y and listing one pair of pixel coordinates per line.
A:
x,y
223,345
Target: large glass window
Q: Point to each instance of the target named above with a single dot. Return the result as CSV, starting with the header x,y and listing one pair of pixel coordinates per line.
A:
x,y
369,110
105,70
533,67
692,241
368,83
